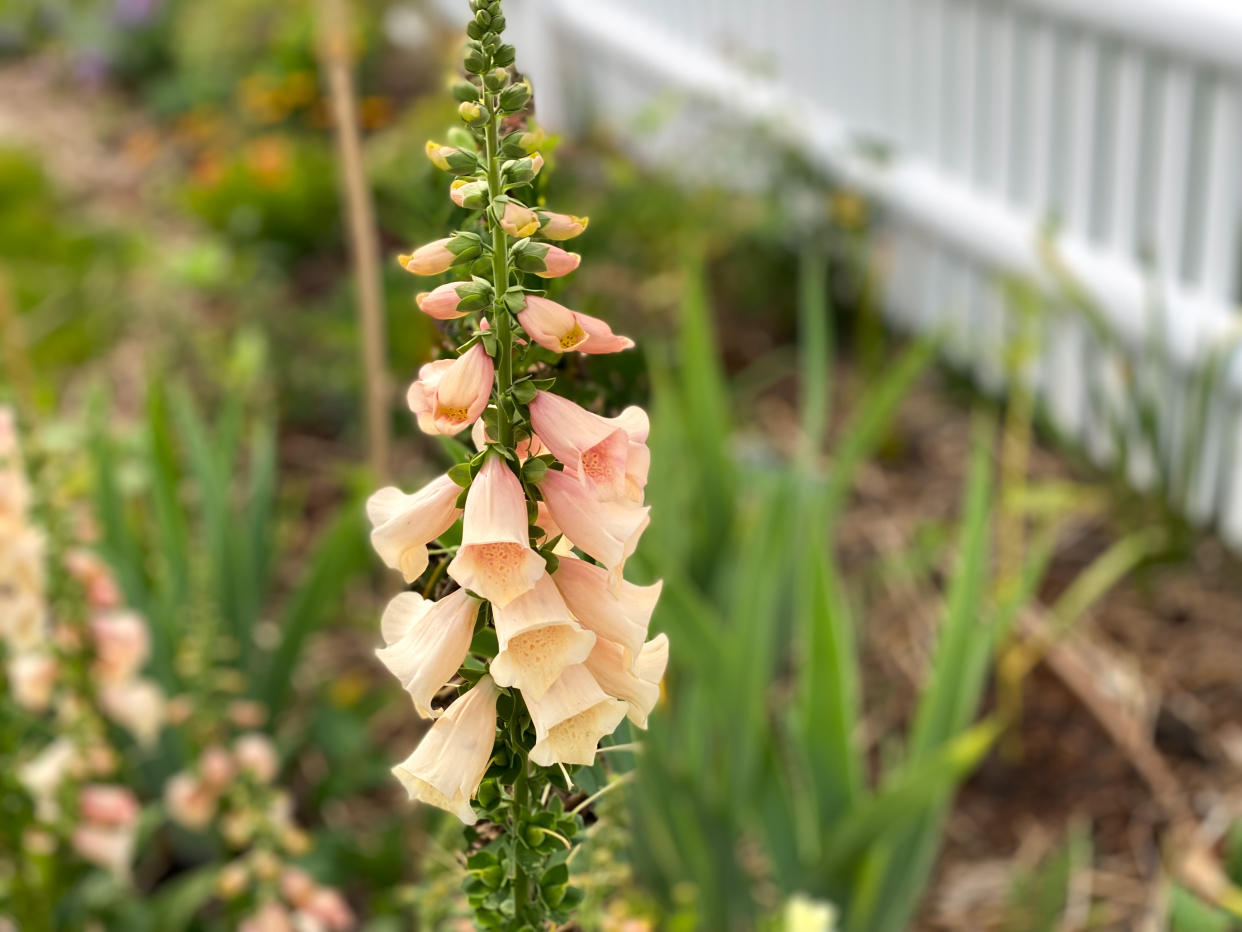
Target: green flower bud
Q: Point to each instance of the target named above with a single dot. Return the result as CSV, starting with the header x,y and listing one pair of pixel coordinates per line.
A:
x,y
514,97
464,90
471,113
504,56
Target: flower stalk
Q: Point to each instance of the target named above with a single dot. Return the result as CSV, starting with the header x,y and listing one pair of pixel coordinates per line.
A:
x,y
547,640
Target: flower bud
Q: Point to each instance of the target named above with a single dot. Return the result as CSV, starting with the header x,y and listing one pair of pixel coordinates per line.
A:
x,y
216,767
472,114
441,255
560,227
464,90
469,194
444,302
523,171
505,54
518,220
495,79
514,97
545,260
451,159
232,881
122,643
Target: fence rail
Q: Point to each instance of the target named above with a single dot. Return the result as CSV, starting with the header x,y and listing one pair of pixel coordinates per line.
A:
x,y
1120,119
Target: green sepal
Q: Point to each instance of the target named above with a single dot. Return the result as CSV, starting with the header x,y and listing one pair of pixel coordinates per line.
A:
x,y
523,393
464,90
515,300
462,474
534,468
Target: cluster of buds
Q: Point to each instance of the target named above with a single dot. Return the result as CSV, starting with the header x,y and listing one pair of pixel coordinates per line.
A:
x,y
232,791
544,640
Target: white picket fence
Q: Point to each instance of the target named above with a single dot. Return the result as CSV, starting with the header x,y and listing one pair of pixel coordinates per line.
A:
x,y
1122,119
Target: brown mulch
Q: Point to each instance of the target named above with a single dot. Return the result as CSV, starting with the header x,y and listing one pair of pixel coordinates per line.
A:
x,y
1164,648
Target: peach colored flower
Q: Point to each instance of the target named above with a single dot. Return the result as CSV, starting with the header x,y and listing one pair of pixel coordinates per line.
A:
x,y
137,705
465,193
107,805
638,682
553,326
557,262
256,754
43,774
190,802
122,644
447,766
439,154
571,718
427,642
617,613
32,678
328,908
216,767
111,848
403,525
431,259
450,394
518,220
594,449
441,303
538,639
270,917
608,531
560,227
495,559
600,338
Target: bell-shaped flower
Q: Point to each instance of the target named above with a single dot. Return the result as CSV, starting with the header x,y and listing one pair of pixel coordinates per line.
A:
x,y
450,394
637,684
538,639
427,642
518,220
447,766
441,303
608,531
122,644
619,613
495,559
571,718
594,449
560,227
600,338
553,326
403,525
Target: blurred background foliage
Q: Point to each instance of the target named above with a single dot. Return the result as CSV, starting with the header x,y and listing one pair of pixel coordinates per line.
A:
x,y
176,312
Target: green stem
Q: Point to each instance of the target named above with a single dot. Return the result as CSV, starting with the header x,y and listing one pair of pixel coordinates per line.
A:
x,y
521,801
500,278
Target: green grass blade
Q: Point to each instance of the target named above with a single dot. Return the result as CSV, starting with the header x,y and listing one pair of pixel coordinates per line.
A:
x,y
342,551
869,425
815,354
